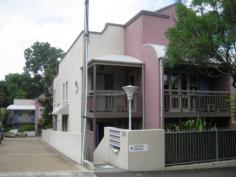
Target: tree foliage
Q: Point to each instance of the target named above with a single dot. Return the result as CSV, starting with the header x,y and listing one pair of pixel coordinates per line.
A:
x,y
43,60
4,95
23,86
199,124
3,118
205,36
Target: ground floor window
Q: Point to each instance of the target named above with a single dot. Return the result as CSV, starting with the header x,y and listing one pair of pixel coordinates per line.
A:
x,y
55,122
65,123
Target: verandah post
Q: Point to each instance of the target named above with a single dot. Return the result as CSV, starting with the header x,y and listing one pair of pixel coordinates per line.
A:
x,y
217,143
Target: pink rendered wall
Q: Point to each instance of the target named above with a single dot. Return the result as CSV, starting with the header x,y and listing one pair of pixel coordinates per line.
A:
x,y
152,91
134,38
149,29
154,29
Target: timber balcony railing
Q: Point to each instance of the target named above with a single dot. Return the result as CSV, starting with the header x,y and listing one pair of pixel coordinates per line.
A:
x,y
196,101
113,101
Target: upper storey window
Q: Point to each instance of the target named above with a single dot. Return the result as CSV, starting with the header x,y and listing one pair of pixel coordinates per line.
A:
x,y
65,91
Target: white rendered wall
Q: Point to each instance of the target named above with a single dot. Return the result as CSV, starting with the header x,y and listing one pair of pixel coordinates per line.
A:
x,y
24,102
67,143
110,42
153,158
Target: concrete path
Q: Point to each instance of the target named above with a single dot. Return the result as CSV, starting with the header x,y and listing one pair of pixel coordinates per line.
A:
x,y
21,157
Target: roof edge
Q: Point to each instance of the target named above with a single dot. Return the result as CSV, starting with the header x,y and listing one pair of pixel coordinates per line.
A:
x,y
145,12
142,12
21,107
92,32
166,7
95,60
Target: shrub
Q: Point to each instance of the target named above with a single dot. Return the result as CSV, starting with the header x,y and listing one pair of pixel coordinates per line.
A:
x,y
198,124
27,127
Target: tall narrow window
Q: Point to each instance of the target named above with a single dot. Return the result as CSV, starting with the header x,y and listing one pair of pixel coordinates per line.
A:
x,y
174,82
184,81
63,91
55,122
54,95
65,123
166,81
66,90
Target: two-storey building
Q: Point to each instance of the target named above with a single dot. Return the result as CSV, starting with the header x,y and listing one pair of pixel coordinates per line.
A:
x,y
117,57
24,111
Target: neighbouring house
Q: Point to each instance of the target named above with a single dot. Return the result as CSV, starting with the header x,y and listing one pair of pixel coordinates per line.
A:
x,y
24,111
117,57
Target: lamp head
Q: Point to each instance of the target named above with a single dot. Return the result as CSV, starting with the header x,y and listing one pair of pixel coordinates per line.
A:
x,y
130,90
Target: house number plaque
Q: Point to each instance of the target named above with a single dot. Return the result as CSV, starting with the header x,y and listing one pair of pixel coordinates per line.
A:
x,y
138,147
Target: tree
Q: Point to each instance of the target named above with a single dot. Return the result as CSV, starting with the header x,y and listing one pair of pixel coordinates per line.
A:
x,y
23,86
205,37
4,95
4,118
43,60
40,57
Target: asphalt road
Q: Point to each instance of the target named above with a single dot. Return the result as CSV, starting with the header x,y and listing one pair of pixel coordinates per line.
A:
x,y
21,157
219,172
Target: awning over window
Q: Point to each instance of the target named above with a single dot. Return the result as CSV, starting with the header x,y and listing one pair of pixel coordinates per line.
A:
x,y
61,110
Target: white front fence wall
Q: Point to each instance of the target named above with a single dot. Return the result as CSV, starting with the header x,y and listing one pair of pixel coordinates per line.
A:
x,y
134,150
68,143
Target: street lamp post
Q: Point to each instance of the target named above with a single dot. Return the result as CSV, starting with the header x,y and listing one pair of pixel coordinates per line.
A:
x,y
129,90
85,77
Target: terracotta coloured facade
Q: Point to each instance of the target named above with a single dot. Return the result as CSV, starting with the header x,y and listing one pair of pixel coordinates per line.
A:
x,y
149,28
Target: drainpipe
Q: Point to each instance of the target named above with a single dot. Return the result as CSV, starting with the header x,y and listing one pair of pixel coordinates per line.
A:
x,y
85,77
161,94
160,53
143,95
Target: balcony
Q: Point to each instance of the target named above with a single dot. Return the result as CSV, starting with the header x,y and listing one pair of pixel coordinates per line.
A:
x,y
112,104
192,103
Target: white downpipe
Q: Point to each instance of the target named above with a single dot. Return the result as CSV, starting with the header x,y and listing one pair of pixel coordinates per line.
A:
x,y
85,76
143,95
161,94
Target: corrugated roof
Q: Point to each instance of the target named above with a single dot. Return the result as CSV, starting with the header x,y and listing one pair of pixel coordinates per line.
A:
x,y
118,59
21,107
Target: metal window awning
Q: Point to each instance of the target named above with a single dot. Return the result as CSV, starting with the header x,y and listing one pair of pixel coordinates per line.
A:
x,y
64,109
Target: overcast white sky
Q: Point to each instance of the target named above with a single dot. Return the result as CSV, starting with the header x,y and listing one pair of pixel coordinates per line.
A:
x,y
22,22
